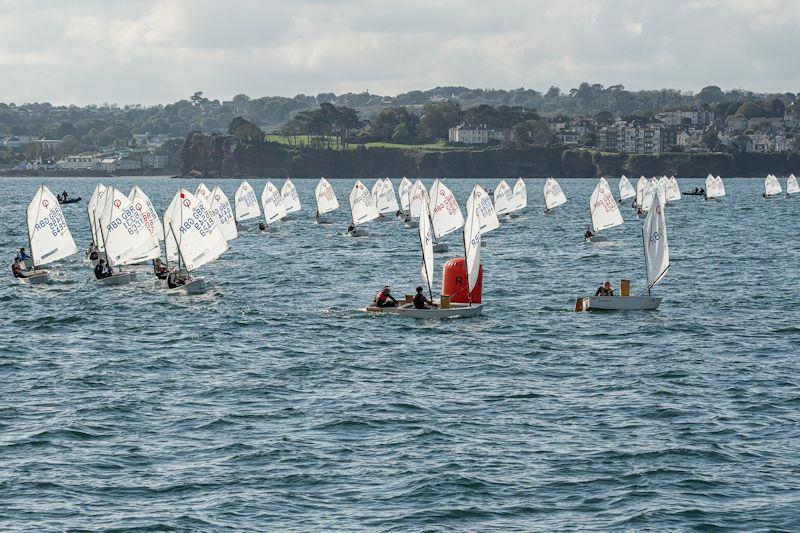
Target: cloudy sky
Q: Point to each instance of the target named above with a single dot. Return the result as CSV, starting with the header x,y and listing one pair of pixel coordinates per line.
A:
x,y
138,51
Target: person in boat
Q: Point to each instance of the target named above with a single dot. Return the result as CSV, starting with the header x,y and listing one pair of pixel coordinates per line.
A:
x,y
22,256
16,269
262,226
101,270
92,253
702,191
546,210
64,196
605,290
160,269
384,298
174,280
351,228
421,301
588,233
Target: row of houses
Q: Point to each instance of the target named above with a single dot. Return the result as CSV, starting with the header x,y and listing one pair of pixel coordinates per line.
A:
x,y
100,162
17,142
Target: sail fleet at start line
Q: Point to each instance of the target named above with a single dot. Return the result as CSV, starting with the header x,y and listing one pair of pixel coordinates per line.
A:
x,y
197,229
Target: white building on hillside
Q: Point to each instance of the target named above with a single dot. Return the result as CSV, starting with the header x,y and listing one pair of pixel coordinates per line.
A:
x,y
79,162
468,135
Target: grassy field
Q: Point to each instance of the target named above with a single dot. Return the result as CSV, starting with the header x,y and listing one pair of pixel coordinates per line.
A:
x,y
302,140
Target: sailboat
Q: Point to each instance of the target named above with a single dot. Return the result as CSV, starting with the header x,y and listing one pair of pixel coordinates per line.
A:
x,y
641,191
504,202
772,187
404,192
222,214
418,195
445,214
272,205
291,200
480,200
520,197
446,309
49,238
604,211
656,259
96,200
553,195
126,240
326,201
245,203
791,186
714,187
673,192
626,190
203,193
385,200
141,202
362,209
194,239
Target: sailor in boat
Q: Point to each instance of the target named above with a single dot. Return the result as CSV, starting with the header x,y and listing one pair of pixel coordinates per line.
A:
x,y
422,302
605,290
102,270
91,252
351,228
160,269
546,210
262,226
174,280
22,256
16,269
588,233
64,196
384,298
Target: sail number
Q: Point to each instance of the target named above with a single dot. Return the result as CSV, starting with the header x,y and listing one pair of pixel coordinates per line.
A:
x,y
55,221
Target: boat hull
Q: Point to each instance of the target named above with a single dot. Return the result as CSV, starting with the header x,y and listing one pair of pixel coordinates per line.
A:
x,y
618,303
440,247
359,233
597,238
38,278
196,286
455,311
118,278
384,310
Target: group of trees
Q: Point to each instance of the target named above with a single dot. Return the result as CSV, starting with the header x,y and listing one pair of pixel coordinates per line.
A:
x,y
328,126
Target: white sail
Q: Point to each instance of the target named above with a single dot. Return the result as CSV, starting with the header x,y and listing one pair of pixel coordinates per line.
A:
x,y
472,246
203,193
446,215
656,247
791,185
49,236
649,191
291,200
673,191
603,207
553,195
96,201
383,194
626,190
503,198
245,203
641,191
223,214
711,186
272,203
520,195
126,239
772,186
426,242
362,205
141,202
418,196
194,235
326,198
480,202
720,186
403,191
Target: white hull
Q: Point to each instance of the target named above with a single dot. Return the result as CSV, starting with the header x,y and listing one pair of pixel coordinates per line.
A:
x,y
619,303
440,247
384,310
195,286
118,278
455,311
597,238
39,278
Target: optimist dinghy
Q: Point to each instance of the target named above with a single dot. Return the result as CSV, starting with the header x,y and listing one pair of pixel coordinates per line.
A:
x,y
715,188
272,205
385,199
245,204
772,187
553,195
791,186
626,190
362,209
656,258
291,200
326,201
604,211
49,238
418,195
445,213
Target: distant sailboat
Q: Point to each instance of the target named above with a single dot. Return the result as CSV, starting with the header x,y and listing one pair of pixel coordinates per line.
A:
x,y
479,200
142,204
97,199
791,186
49,238
715,188
656,257
404,193
604,211
245,203
626,190
362,209
272,205
383,194
672,190
553,195
194,239
222,214
445,214
772,187
326,201
504,202
418,195
520,196
291,200
641,191
203,193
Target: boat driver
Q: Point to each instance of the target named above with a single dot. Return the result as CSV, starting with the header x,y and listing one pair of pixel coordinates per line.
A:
x,y
605,290
420,301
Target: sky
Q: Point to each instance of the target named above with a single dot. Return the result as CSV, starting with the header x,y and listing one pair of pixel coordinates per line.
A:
x,y
149,52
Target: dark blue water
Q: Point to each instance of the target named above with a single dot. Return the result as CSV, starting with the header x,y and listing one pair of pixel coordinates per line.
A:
x,y
272,403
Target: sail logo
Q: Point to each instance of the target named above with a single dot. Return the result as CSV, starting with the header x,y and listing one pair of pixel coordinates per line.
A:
x,y
117,203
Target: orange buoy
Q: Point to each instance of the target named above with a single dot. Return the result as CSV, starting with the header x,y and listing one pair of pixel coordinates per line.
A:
x,y
454,282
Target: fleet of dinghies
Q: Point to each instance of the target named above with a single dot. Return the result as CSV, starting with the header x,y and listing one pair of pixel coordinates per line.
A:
x,y
197,228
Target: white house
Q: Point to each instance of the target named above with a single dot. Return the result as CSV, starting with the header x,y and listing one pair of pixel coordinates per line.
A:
x,y
79,162
468,135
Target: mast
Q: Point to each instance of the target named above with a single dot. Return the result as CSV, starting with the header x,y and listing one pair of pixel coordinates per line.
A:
x,y
30,243
646,268
424,266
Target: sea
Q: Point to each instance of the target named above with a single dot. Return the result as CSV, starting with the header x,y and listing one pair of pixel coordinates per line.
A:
x,y
274,403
